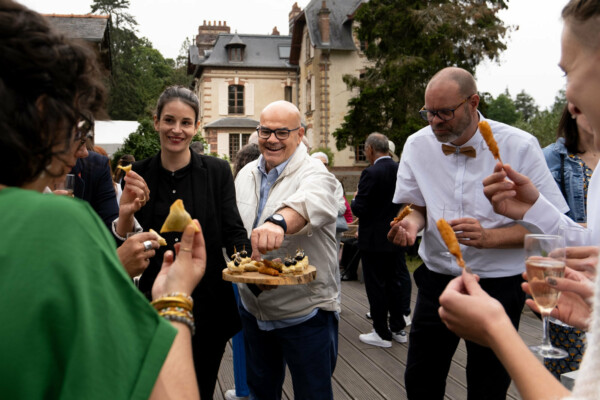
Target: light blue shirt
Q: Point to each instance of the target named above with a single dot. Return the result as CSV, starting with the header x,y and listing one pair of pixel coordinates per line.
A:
x,y
266,182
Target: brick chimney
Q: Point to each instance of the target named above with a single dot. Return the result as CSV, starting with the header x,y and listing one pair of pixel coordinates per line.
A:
x,y
275,31
293,14
207,34
324,22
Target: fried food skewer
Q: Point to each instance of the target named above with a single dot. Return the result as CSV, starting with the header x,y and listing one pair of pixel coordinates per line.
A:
x,y
488,136
403,213
449,238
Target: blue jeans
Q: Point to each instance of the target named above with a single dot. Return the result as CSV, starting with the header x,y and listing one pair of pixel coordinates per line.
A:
x,y
309,349
239,357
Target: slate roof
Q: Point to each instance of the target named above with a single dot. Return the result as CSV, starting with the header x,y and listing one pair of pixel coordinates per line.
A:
x,y
87,27
340,26
261,51
232,122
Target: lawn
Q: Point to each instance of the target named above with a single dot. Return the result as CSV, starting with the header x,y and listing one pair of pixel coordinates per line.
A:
x,y
413,262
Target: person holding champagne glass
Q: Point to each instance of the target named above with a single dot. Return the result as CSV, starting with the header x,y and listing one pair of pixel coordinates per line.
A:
x,y
571,160
471,313
74,326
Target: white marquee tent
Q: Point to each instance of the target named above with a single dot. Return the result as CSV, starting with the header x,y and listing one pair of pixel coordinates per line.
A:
x,y
110,135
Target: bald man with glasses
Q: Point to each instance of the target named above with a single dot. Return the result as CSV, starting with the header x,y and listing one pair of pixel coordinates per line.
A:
x,y
441,169
287,202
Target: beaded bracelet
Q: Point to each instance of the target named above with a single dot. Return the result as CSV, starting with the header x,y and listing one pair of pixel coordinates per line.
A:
x,y
179,317
177,310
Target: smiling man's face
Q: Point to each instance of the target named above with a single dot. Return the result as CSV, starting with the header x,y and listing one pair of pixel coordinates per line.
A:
x,y
280,115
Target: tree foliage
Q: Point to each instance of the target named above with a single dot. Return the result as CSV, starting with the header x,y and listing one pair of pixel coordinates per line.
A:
x,y
407,42
117,9
139,72
525,106
523,113
503,109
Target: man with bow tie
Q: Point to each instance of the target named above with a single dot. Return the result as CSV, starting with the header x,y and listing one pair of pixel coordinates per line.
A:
x,y
442,167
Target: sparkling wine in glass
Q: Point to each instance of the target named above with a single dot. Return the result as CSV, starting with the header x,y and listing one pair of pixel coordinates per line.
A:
x,y
545,258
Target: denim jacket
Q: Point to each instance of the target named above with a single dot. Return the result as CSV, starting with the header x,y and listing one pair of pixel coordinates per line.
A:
x,y
573,178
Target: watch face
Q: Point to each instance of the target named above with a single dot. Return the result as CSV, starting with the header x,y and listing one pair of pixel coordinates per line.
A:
x,y
277,217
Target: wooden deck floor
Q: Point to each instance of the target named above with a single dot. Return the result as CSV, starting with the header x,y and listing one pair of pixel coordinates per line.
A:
x,y
366,372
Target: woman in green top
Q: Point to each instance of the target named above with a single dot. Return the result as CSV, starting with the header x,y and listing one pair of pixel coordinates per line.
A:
x,y
73,324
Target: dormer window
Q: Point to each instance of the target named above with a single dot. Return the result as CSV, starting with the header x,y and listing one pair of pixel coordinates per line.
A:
x,y
236,54
235,49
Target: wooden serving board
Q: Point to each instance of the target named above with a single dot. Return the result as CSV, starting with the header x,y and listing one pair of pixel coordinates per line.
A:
x,y
261,279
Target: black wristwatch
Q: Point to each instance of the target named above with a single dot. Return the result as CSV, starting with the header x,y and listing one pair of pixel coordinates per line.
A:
x,y
277,219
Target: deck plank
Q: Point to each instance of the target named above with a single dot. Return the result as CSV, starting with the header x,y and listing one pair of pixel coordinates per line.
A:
x,y
368,372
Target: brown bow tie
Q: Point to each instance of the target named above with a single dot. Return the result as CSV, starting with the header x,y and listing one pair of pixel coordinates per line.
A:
x,y
468,151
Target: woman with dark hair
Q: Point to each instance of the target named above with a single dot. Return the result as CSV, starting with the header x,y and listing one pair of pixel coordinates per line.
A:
x,y
572,159
74,325
205,185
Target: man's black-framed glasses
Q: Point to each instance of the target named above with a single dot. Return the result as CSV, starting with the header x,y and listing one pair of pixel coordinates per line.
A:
x,y
84,130
445,114
280,133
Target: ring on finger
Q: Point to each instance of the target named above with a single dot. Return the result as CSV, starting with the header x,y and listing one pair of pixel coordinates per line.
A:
x,y
147,245
185,249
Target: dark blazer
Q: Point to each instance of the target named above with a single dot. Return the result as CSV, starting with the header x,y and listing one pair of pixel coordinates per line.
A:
x,y
373,205
215,309
94,184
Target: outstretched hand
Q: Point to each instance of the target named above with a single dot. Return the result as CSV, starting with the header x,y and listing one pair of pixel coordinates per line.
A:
x,y
470,312
402,233
265,238
135,194
511,197
184,270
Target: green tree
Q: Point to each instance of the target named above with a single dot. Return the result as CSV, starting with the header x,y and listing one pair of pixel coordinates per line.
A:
x,y
139,72
179,73
142,143
525,106
407,42
502,109
117,9
545,123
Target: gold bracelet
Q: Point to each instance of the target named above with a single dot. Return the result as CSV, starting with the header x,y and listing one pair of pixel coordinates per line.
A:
x,y
177,300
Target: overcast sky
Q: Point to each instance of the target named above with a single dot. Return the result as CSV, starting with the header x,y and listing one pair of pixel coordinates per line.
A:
x,y
530,62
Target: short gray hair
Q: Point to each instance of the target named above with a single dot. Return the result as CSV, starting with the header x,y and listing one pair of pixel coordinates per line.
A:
x,y
378,142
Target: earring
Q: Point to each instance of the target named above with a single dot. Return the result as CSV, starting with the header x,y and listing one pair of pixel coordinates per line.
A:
x,y
573,116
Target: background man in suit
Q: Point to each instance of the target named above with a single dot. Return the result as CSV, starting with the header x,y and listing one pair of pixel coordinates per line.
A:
x,y
387,280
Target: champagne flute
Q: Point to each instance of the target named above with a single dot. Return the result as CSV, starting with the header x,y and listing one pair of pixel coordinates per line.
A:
x,y
545,258
575,235
68,185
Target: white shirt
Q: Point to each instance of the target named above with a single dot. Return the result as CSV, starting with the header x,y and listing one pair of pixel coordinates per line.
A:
x,y
543,217
428,178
